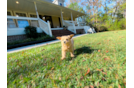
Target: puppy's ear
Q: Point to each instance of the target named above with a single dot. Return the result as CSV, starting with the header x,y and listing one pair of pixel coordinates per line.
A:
x,y
71,36
58,38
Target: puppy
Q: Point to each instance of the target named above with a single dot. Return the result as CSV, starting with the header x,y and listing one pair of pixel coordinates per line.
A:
x,y
67,45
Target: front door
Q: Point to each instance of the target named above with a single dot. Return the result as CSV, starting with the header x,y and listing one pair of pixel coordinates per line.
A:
x,y
48,18
59,21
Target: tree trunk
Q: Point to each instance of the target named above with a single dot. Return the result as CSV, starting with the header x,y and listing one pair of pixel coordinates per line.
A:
x,y
96,15
105,7
93,10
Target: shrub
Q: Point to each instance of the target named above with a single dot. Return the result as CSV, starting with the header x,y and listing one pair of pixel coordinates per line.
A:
x,y
91,25
42,37
96,29
100,28
31,32
122,23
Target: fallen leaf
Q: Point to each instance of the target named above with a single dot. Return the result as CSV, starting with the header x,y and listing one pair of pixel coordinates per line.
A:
x,y
44,64
19,64
52,68
110,68
119,86
37,71
98,50
52,58
81,77
22,52
42,49
104,73
76,78
103,79
71,74
106,58
67,78
98,84
101,86
87,71
110,87
116,76
84,60
124,81
10,58
86,87
59,78
91,86
98,43
107,51
99,69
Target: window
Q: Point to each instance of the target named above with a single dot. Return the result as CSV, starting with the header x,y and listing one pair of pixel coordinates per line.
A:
x,y
21,14
34,22
60,4
10,22
31,15
9,13
22,23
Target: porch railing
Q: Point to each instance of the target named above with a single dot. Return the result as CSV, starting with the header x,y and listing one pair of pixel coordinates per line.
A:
x,y
73,25
70,25
12,22
45,27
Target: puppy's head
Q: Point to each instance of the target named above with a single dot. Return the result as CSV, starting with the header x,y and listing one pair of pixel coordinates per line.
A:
x,y
65,39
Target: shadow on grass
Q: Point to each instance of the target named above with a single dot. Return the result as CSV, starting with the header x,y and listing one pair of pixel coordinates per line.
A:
x,y
82,50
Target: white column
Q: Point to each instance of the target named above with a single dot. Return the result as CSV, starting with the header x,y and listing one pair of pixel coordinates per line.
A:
x,y
37,13
36,10
62,18
73,23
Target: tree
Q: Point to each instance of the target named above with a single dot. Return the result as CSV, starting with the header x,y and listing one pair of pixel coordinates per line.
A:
x,y
108,13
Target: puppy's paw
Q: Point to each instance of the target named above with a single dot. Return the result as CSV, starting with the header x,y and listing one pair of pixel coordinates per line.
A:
x,y
62,58
72,56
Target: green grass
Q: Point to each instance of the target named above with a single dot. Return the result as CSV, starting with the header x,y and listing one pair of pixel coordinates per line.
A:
x,y
41,67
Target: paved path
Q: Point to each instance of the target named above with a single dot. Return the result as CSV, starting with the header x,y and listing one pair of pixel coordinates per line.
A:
x,y
36,45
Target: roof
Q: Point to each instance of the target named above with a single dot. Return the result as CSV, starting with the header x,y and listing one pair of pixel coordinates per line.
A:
x,y
43,7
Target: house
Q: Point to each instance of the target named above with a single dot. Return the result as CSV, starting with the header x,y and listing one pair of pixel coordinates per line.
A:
x,y
47,16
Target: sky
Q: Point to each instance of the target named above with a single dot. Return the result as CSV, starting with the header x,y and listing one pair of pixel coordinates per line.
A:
x,y
102,9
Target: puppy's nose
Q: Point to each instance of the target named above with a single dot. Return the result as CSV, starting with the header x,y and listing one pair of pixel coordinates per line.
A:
x,y
64,42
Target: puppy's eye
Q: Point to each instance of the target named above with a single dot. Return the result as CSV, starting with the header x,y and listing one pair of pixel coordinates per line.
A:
x,y
67,39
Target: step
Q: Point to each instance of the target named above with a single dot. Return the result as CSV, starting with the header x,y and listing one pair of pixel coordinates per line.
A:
x,y
61,32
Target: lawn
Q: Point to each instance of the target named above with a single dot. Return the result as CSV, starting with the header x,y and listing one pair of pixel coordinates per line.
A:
x,y
100,62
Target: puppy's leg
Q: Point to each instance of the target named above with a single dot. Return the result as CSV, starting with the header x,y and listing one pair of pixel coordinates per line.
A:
x,y
63,55
72,53
72,50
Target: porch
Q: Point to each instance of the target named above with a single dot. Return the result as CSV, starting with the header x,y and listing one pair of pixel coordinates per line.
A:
x,y
41,14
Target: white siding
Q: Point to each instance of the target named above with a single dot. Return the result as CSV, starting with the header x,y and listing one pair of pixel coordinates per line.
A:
x,y
19,31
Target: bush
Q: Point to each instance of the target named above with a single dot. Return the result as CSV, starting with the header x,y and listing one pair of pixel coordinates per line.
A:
x,y
42,37
122,23
100,28
31,32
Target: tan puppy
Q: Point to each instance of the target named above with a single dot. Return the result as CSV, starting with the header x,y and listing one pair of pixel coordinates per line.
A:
x,y
67,45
